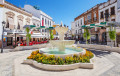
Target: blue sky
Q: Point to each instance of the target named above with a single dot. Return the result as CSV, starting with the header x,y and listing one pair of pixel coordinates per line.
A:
x,y
60,10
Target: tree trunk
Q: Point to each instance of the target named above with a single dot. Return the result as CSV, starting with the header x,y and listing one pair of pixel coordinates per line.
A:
x,y
27,41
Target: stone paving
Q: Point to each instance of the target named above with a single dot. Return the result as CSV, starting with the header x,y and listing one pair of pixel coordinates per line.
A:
x,y
106,64
7,62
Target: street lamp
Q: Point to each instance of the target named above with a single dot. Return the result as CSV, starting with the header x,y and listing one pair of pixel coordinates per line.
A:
x,y
3,24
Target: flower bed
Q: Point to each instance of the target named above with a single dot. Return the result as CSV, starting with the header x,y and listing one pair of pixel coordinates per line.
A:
x,y
52,60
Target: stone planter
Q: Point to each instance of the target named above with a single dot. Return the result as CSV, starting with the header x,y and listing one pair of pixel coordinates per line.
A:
x,y
61,67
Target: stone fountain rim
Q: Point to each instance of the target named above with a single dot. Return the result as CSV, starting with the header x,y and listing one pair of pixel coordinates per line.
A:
x,y
84,50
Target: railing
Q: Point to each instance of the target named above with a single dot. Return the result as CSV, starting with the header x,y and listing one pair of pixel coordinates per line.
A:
x,y
95,19
90,20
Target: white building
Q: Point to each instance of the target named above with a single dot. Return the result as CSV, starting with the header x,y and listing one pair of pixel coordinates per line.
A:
x,y
36,21
15,19
76,27
118,9
45,20
108,11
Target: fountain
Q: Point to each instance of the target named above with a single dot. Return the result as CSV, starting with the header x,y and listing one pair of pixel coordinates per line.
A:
x,y
60,55
61,47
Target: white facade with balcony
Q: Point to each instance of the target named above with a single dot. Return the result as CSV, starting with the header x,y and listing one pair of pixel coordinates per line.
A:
x,y
110,8
48,21
45,20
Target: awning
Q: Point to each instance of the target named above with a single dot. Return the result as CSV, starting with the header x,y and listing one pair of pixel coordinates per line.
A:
x,y
103,23
40,27
50,28
29,26
92,25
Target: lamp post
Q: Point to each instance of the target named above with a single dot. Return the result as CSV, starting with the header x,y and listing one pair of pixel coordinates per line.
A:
x,y
3,24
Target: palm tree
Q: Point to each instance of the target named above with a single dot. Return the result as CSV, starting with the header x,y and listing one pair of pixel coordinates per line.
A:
x,y
28,35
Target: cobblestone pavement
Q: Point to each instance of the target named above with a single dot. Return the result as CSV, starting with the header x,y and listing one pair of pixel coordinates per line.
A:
x,y
106,64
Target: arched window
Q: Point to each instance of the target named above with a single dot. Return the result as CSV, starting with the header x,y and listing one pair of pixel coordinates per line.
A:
x,y
18,26
45,21
50,23
7,25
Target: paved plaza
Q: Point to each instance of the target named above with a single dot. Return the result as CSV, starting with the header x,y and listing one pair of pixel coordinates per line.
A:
x,y
11,64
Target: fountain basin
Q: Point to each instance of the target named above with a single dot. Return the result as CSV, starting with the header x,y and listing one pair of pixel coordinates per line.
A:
x,y
68,52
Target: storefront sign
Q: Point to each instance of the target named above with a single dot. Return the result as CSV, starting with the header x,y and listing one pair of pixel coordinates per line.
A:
x,y
5,33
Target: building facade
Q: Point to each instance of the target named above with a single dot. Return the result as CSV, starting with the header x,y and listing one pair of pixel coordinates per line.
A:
x,y
45,20
76,26
15,19
108,11
103,12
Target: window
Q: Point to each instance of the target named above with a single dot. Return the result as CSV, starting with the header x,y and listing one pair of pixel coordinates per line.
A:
x,y
106,15
18,26
48,22
78,23
76,31
7,25
45,30
45,21
101,15
42,30
81,22
95,18
113,10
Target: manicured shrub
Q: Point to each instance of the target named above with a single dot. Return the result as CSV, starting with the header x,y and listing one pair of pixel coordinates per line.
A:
x,y
59,61
41,58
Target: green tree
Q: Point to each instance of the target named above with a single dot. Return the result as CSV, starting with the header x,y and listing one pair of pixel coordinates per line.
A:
x,y
86,35
28,35
112,35
51,34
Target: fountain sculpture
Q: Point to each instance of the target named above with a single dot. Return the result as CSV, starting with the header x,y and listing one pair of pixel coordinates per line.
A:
x,y
61,43
61,47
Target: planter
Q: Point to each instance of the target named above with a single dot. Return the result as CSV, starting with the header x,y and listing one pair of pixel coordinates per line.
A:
x,y
61,67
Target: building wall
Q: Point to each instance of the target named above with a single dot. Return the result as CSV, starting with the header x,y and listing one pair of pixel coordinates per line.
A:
x,y
36,21
91,16
40,14
118,10
16,17
106,6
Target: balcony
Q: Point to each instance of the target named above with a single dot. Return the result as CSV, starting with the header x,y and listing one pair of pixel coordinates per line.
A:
x,y
90,20
95,19
85,22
